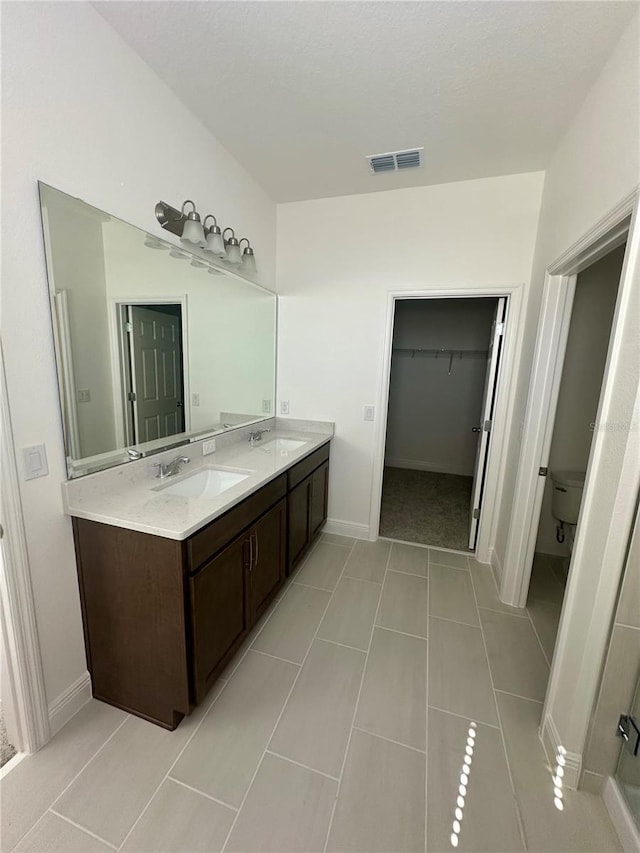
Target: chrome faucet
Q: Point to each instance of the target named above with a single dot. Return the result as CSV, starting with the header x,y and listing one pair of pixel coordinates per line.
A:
x,y
170,468
256,435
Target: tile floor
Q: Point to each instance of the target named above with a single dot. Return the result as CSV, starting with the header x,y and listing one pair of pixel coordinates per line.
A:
x,y
343,724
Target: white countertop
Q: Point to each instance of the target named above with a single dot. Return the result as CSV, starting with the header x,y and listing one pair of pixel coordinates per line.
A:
x,y
127,496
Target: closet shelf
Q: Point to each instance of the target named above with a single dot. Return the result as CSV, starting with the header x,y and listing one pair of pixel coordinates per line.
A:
x,y
461,353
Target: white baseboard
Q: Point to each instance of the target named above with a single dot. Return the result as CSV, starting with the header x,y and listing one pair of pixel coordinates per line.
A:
x,y
346,528
553,748
621,817
417,465
69,702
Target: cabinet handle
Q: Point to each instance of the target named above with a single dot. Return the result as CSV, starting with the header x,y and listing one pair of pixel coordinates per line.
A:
x,y
251,552
255,565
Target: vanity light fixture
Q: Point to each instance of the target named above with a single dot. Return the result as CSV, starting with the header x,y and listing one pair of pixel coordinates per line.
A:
x,y
213,240
248,257
232,247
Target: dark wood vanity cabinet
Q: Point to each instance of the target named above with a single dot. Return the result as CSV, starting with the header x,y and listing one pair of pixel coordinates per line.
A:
x,y
308,491
163,618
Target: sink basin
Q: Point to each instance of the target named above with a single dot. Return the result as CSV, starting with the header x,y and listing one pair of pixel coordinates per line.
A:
x,y
206,483
282,446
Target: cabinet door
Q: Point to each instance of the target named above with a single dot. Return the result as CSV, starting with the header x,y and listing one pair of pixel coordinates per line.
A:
x,y
299,500
269,553
319,498
219,617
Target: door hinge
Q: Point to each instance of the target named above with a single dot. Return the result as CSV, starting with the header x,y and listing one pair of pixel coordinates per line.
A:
x,y
500,329
487,426
131,396
542,472
128,327
476,512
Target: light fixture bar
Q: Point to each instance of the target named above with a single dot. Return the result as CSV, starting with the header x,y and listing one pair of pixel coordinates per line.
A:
x,y
170,218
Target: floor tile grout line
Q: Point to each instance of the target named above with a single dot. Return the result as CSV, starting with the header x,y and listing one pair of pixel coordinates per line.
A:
x,y
362,580
95,755
310,586
455,621
467,717
389,739
518,696
202,793
402,633
357,703
516,802
300,764
544,654
84,766
79,826
342,645
174,762
269,655
282,710
504,612
452,568
411,574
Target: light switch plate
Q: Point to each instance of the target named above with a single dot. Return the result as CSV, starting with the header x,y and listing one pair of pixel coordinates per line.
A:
x,y
284,407
369,413
266,406
34,461
195,399
208,447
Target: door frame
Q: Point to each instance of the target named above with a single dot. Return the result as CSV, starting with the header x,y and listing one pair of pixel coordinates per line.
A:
x,y
120,382
505,399
591,593
19,628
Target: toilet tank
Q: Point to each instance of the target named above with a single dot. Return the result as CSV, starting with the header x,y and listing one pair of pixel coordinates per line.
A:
x,y
567,495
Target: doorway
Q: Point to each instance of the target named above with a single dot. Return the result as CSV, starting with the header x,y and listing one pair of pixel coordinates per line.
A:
x,y
575,423
443,380
152,370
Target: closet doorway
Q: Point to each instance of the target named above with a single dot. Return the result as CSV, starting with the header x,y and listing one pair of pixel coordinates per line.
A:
x,y
445,368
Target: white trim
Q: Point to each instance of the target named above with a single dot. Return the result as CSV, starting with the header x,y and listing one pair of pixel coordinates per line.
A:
x,y
553,748
419,465
503,415
16,600
496,566
69,702
553,332
621,817
346,528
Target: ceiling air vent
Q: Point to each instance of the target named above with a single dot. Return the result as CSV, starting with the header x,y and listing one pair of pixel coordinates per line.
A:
x,y
395,161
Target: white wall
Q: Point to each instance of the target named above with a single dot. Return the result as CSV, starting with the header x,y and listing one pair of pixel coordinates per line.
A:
x,y
338,259
82,112
582,371
434,402
594,167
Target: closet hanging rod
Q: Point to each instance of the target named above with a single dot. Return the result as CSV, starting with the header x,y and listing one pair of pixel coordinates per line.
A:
x,y
437,352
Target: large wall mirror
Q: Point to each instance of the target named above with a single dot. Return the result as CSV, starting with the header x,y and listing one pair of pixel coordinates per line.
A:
x,y
154,345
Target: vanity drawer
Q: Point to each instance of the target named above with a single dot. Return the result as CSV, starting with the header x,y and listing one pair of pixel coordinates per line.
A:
x,y
208,541
298,473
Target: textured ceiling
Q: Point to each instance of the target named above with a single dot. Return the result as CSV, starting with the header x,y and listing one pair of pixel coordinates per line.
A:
x,y
300,92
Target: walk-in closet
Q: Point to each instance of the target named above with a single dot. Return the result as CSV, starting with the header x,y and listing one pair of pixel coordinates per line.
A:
x,y
443,383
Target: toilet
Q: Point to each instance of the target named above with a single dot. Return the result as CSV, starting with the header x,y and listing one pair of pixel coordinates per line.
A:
x,y
565,503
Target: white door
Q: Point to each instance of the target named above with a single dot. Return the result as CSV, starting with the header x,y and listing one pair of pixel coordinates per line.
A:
x,y
484,428
156,374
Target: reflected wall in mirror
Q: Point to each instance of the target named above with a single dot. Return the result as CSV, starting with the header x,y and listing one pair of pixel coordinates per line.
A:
x,y
154,345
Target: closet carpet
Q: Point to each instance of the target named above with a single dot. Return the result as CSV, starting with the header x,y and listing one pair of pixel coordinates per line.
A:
x,y
426,507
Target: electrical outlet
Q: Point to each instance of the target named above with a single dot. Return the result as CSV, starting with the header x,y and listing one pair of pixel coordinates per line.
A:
x,y
266,406
84,396
208,447
369,413
195,399
284,407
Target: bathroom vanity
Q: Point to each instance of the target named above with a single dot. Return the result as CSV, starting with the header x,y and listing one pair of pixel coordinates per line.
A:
x,y
166,601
